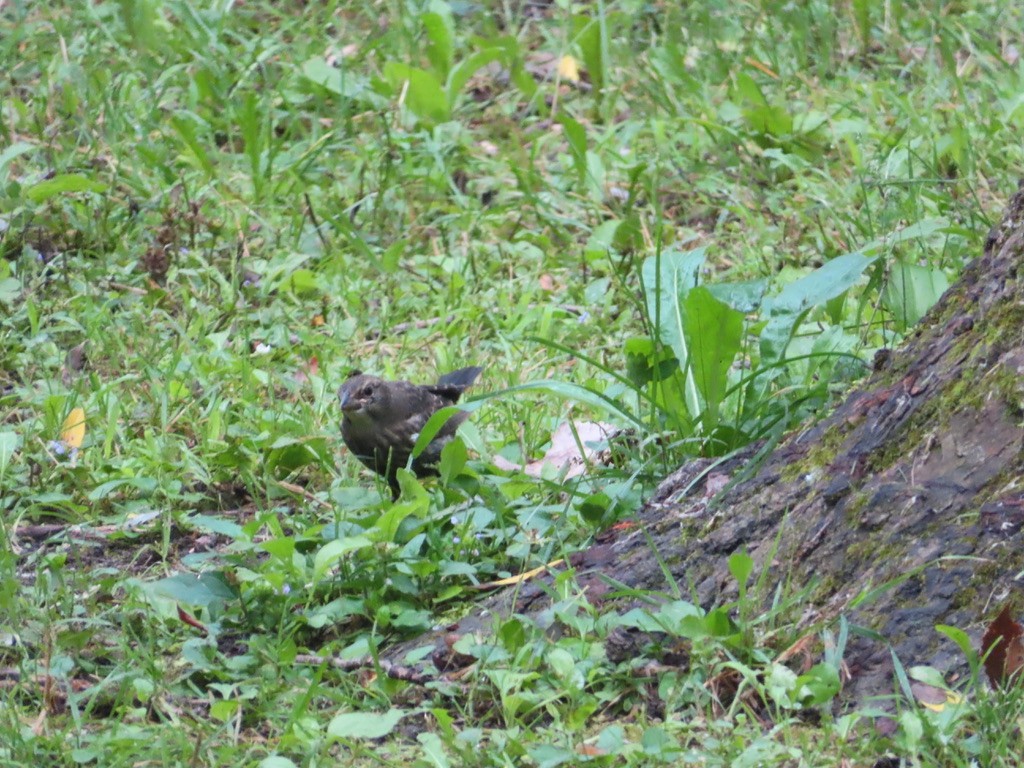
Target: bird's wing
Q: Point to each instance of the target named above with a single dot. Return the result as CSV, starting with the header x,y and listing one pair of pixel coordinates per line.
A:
x,y
418,404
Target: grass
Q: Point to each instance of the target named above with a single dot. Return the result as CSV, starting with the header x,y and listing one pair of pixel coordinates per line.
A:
x,y
233,205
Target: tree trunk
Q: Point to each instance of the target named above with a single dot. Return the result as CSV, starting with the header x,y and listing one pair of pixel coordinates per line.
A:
x,y
915,482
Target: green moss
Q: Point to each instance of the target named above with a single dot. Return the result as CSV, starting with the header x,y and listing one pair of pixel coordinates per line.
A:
x,y
856,503
822,455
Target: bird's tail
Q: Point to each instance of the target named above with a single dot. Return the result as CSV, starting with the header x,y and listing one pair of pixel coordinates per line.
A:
x,y
461,378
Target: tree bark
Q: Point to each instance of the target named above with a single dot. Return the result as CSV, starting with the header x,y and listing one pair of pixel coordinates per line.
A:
x,y
913,486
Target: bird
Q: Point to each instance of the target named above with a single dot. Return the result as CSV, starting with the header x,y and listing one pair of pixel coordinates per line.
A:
x,y
381,420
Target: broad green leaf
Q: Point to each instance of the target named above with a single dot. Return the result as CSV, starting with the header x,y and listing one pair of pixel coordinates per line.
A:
x,y
576,136
218,525
64,184
744,296
748,88
249,117
512,634
963,641
918,230
303,282
773,121
911,291
670,395
591,37
780,684
8,445
741,565
453,458
668,278
714,334
199,590
184,125
612,740
145,485
414,504
667,619
818,685
862,20
465,69
337,80
332,552
547,755
718,623
423,93
364,725
602,239
10,290
434,425
281,547
440,43
434,753
14,150
561,662
786,310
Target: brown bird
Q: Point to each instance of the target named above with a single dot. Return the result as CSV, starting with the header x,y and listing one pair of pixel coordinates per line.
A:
x,y
381,420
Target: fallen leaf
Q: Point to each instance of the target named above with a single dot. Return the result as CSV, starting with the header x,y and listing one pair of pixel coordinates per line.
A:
x,y
569,69
72,432
572,456
934,698
762,67
191,620
519,578
567,454
1003,649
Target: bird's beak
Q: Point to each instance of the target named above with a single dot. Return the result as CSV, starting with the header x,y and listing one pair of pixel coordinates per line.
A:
x,y
347,402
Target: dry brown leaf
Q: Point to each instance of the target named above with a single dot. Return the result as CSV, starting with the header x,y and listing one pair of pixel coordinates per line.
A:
x,y
1004,648
930,697
565,453
518,578
191,620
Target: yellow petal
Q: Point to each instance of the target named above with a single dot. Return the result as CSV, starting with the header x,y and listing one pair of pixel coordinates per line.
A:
x,y
73,431
568,69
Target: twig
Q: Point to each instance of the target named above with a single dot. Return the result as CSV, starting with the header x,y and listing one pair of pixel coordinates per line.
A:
x,y
300,491
316,224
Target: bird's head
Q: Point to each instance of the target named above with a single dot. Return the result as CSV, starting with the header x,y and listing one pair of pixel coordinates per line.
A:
x,y
362,396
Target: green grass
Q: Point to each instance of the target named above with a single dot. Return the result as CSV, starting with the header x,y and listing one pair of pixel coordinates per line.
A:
x,y
234,205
